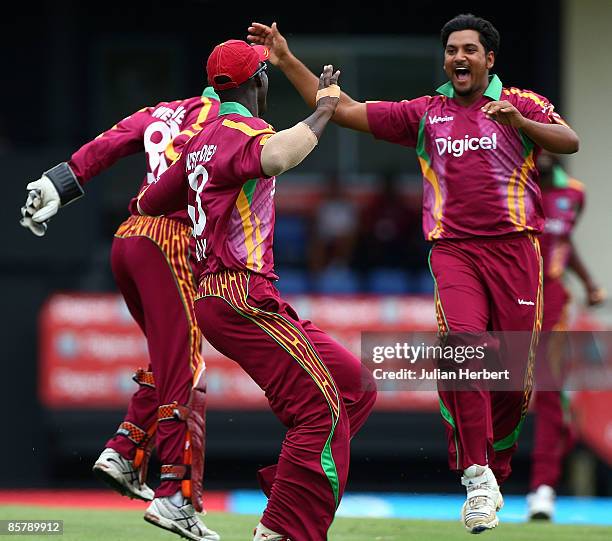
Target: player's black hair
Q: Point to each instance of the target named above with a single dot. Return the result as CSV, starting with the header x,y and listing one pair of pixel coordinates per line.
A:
x,y
488,34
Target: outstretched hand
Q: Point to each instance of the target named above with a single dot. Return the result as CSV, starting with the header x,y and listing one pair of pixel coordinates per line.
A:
x,y
270,37
328,95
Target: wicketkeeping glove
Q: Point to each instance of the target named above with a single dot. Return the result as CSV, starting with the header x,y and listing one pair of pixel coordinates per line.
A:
x,y
54,189
49,199
33,203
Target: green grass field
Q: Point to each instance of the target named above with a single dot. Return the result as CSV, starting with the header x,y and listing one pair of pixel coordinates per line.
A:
x,y
96,525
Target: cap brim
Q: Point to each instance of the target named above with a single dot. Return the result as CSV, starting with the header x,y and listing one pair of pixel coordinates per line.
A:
x,y
262,52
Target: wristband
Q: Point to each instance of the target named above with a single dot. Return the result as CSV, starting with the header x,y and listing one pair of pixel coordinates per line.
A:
x,y
65,182
333,91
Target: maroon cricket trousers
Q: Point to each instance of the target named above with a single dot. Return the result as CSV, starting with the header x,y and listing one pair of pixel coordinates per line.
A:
x,y
316,388
483,285
553,436
150,262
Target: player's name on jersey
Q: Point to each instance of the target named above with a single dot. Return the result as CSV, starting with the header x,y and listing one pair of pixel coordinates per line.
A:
x,y
438,374
202,155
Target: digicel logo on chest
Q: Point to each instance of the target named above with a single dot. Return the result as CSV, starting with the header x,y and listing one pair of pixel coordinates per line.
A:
x,y
457,147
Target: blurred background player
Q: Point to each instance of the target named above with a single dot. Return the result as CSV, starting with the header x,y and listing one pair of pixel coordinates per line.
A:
x,y
477,142
389,230
226,174
563,198
334,234
152,266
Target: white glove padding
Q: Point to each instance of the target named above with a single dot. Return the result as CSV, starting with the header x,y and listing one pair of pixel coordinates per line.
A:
x,y
37,229
33,202
32,205
50,199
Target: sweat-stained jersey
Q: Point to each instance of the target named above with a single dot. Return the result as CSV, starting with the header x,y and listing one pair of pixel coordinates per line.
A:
x,y
160,131
479,177
230,201
563,203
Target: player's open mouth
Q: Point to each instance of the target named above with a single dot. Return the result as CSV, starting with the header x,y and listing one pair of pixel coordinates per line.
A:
x,y
462,74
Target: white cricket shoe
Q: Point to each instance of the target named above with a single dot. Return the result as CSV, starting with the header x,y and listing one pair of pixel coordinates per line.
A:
x,y
119,473
262,533
180,519
541,503
484,499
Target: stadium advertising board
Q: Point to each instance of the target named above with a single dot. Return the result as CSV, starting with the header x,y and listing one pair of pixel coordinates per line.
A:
x,y
90,347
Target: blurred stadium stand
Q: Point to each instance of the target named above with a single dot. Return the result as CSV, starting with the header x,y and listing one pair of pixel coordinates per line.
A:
x,y
335,280
291,239
385,281
293,281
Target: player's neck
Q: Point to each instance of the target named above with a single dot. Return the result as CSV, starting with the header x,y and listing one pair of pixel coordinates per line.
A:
x,y
467,100
248,100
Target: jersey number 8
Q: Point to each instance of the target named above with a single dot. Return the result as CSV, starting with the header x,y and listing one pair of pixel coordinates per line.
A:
x,y
197,180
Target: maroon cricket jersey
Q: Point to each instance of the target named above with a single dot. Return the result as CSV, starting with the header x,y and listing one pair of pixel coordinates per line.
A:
x,y
479,177
160,131
230,200
563,203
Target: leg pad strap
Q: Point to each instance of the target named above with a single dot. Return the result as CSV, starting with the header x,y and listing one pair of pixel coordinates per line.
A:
x,y
134,433
144,378
172,412
175,472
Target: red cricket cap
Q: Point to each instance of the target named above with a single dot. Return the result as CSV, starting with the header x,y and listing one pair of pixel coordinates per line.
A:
x,y
235,60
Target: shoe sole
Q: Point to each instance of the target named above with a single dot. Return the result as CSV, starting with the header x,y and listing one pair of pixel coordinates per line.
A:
x,y
171,526
105,475
483,527
540,516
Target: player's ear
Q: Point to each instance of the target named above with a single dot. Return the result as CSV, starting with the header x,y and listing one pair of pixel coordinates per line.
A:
x,y
490,59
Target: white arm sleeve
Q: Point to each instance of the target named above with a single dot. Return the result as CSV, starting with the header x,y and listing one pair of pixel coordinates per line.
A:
x,y
287,148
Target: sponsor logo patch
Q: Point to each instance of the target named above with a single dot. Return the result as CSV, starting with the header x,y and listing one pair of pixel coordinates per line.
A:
x,y
458,147
440,119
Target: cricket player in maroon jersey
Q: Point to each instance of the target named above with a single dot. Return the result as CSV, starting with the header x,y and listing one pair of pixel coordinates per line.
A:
x,y
477,142
226,176
563,198
151,263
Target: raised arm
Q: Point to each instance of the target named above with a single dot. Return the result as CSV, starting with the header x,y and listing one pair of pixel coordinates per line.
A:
x,y
63,183
349,113
123,139
287,148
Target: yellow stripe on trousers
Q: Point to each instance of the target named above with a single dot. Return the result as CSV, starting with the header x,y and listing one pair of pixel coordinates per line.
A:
x,y
172,238
232,286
